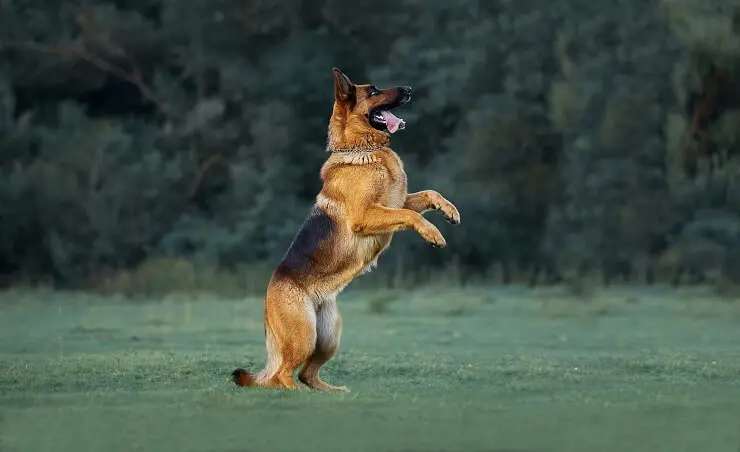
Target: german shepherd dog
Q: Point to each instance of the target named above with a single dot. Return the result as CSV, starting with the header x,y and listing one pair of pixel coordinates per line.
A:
x,y
363,201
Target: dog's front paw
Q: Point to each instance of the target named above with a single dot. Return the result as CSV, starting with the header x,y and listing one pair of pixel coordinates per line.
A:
x,y
450,212
432,235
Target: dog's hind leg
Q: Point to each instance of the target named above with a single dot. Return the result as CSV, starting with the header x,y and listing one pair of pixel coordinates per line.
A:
x,y
328,334
292,318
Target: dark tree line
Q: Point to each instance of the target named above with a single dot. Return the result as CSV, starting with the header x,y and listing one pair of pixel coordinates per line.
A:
x,y
575,136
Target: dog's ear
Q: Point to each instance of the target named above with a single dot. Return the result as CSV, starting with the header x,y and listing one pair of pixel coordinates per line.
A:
x,y
344,89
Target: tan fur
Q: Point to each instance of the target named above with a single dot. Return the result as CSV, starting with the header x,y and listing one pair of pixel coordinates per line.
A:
x,y
363,201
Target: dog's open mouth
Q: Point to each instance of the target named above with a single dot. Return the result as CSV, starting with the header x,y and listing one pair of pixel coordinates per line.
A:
x,y
381,117
385,118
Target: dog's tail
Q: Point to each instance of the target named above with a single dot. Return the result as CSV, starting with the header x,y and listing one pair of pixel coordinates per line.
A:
x,y
243,378
263,378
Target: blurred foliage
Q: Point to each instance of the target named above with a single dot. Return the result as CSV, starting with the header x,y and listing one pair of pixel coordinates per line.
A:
x,y
143,140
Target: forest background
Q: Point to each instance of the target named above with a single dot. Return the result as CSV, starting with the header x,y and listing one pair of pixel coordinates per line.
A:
x,y
157,145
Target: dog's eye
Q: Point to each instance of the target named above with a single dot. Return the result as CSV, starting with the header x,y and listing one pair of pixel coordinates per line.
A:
x,y
373,92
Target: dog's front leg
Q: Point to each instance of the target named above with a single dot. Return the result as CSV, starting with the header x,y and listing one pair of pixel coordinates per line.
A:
x,y
425,200
377,219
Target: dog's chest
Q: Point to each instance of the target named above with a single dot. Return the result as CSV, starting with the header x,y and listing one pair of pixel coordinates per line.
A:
x,y
396,186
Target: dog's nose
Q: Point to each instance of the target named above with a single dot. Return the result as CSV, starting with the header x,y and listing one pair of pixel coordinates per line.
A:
x,y
405,90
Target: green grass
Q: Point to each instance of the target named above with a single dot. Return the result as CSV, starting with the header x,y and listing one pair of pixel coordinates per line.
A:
x,y
499,369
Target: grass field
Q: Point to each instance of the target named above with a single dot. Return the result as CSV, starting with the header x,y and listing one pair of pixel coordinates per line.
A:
x,y
499,369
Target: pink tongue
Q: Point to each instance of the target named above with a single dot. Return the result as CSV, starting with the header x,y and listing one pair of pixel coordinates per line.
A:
x,y
393,122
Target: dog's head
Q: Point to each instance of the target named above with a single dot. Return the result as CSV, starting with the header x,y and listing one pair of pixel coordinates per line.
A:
x,y
362,113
